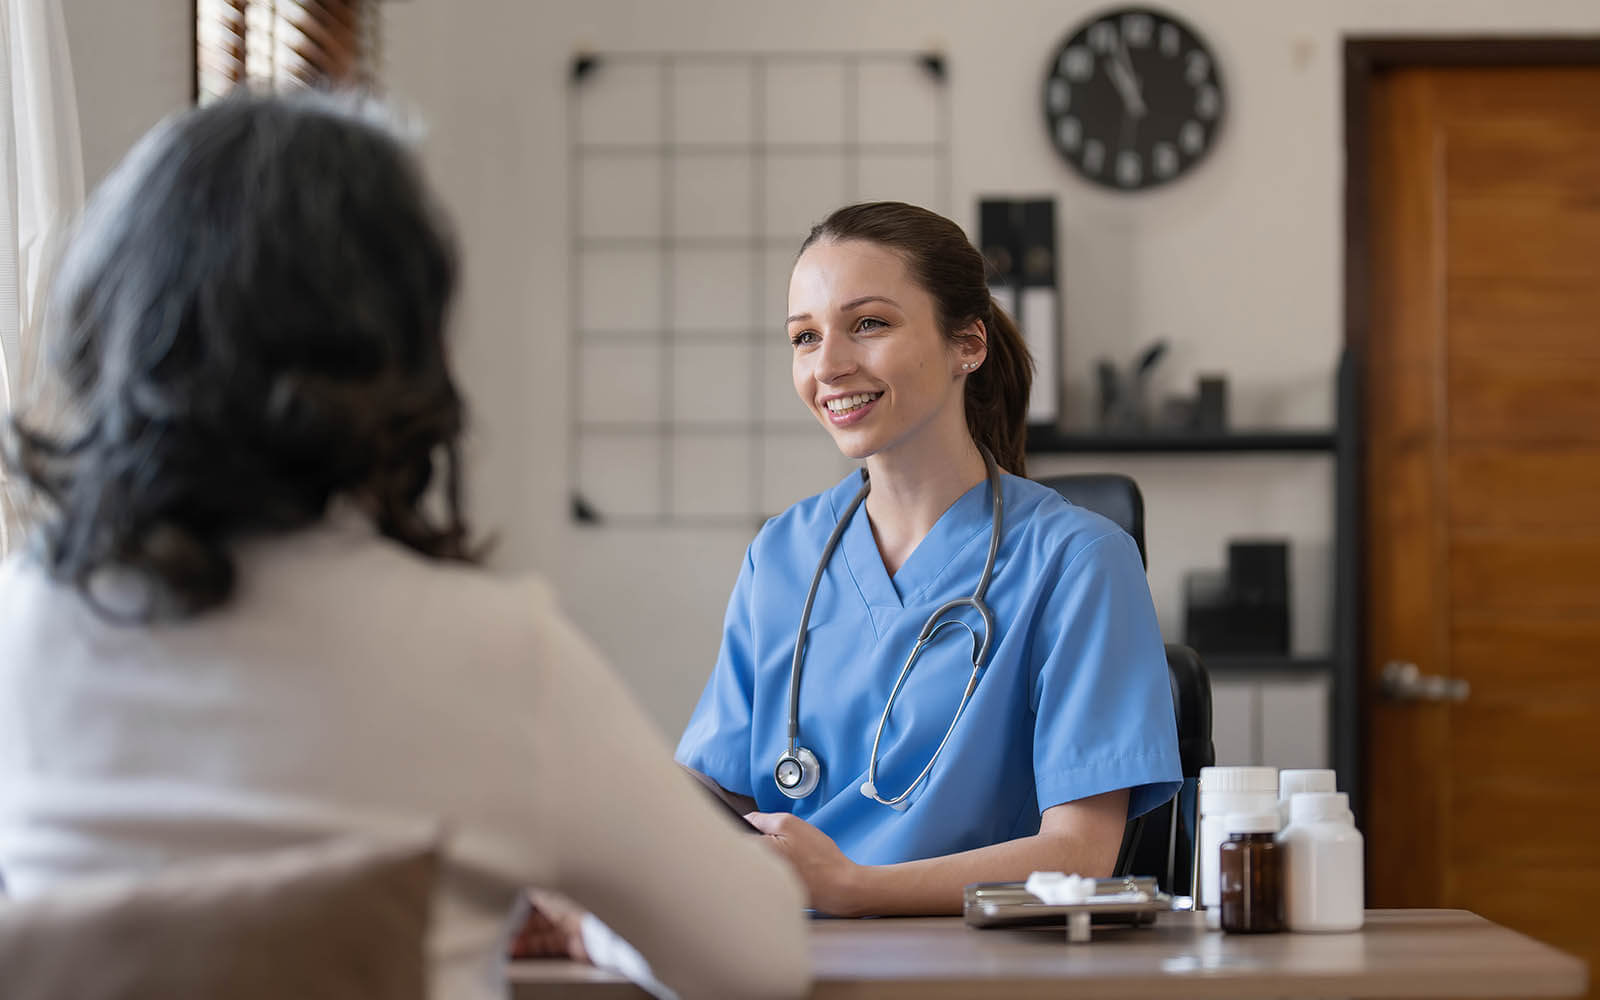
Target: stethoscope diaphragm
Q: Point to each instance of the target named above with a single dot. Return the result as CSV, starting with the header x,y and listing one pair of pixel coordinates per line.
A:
x,y
797,772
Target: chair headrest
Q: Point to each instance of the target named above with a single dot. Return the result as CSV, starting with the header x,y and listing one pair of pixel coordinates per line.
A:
x,y
1112,496
338,919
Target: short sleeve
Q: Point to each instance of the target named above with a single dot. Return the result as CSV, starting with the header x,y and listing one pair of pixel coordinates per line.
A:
x,y
1104,715
717,740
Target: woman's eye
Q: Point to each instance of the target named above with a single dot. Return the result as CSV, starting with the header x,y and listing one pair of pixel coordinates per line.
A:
x,y
870,323
804,337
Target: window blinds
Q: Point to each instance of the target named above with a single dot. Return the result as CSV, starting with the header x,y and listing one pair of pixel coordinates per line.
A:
x,y
283,44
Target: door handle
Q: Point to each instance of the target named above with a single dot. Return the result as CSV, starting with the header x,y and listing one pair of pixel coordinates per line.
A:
x,y
1402,681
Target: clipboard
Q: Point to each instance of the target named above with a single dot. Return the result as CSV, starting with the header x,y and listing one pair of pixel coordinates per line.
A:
x,y
729,803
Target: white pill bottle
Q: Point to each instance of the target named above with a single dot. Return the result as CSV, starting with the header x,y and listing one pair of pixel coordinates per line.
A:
x,y
1225,790
1293,781
1323,886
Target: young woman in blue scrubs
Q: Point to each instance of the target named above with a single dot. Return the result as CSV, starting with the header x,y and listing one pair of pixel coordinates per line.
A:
x,y
905,359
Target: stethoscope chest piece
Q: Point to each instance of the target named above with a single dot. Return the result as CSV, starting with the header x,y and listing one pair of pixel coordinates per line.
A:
x,y
797,772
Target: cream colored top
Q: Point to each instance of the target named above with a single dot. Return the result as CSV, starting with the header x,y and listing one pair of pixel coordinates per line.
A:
x,y
350,685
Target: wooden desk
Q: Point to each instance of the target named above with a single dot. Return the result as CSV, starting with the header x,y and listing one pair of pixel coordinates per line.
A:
x,y
1400,953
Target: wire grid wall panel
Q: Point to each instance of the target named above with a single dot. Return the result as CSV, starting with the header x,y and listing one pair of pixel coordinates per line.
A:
x,y
695,177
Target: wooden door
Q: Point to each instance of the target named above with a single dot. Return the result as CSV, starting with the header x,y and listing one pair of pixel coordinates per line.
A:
x,y
1482,408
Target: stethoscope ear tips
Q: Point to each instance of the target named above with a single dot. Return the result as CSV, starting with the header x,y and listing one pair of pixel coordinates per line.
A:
x,y
869,789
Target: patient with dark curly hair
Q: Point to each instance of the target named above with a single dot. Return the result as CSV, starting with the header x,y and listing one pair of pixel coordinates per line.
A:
x,y
250,612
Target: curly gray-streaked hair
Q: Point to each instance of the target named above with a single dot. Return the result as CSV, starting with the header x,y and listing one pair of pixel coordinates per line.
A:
x,y
249,322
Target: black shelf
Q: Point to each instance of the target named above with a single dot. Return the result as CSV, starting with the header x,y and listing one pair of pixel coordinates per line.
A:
x,y
1234,664
1048,440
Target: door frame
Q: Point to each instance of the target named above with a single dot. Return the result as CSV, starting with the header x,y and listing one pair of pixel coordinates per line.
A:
x,y
1365,58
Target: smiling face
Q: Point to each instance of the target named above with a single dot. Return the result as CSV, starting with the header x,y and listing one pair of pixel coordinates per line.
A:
x,y
869,358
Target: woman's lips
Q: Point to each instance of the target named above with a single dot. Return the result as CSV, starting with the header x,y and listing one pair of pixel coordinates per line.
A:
x,y
853,416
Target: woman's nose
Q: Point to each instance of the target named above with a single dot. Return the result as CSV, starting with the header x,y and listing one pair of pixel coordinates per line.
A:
x,y
835,359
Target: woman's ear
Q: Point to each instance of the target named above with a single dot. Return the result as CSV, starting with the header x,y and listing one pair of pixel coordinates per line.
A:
x,y
972,347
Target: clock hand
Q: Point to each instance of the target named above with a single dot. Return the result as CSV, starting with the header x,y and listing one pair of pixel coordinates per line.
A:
x,y
1130,123
1129,85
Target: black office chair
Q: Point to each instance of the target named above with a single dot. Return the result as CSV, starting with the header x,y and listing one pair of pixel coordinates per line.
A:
x,y
1169,848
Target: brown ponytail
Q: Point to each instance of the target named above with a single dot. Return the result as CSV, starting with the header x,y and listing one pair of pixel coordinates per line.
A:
x,y
948,267
997,394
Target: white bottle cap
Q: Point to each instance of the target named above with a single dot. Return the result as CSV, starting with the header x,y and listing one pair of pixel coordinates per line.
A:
x,y
1312,807
1239,779
1294,780
1256,822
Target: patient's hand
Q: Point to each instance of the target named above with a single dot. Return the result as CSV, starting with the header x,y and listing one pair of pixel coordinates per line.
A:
x,y
552,928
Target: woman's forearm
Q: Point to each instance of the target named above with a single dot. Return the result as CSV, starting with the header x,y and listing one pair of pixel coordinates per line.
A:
x,y
1080,836
935,885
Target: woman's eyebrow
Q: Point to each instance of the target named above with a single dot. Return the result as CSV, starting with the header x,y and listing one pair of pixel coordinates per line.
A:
x,y
852,304
856,303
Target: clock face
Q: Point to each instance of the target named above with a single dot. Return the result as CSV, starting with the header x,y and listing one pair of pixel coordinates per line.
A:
x,y
1133,99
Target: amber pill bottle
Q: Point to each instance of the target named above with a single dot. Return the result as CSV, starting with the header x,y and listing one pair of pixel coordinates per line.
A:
x,y
1251,872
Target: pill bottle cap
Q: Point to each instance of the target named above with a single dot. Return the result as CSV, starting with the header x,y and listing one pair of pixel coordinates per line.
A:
x,y
1294,780
1239,779
1312,807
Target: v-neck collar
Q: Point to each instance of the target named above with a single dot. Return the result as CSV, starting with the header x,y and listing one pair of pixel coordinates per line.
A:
x,y
967,519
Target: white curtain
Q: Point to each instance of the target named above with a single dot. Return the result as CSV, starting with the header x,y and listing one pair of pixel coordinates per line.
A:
x,y
41,192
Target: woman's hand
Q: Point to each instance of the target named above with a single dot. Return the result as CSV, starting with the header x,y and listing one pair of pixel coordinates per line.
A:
x,y
833,881
552,927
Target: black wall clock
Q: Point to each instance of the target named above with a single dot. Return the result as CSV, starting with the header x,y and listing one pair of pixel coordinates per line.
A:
x,y
1133,98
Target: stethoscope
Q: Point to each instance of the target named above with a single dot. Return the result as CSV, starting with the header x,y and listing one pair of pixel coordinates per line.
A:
x,y
798,770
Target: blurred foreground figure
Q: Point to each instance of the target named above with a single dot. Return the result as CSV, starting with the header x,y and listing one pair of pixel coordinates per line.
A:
x,y
250,616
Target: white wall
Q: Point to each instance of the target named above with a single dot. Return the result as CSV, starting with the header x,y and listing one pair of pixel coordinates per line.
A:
x,y
133,61
1238,266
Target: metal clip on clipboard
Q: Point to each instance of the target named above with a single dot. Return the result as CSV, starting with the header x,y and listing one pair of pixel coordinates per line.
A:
x,y
1126,901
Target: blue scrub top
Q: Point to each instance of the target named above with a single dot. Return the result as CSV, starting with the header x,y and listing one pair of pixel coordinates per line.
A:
x,y
1074,700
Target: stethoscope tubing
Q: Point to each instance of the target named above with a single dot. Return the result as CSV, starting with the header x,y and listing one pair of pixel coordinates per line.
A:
x,y
805,614
930,629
